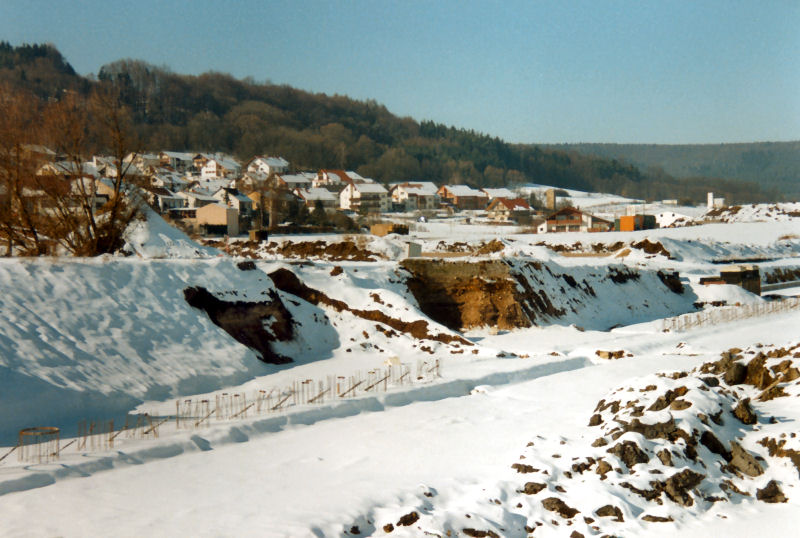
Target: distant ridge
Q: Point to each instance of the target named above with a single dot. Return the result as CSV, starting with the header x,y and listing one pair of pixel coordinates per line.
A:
x,y
216,112
773,165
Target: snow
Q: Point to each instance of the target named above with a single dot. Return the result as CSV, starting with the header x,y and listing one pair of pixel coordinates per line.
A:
x,y
94,339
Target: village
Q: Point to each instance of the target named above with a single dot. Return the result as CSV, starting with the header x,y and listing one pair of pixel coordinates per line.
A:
x,y
212,194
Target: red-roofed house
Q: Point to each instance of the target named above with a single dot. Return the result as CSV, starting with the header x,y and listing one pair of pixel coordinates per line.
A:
x,y
504,210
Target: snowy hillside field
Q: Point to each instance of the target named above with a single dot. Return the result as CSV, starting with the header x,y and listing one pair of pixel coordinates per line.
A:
x,y
502,384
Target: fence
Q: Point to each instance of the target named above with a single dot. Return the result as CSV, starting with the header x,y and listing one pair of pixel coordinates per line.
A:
x,y
96,435
729,313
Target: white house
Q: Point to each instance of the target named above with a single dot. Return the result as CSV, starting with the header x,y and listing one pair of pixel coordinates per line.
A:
x,y
219,166
267,166
415,195
367,197
177,160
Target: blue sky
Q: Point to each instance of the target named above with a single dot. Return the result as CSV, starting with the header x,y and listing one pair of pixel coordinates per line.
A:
x,y
526,71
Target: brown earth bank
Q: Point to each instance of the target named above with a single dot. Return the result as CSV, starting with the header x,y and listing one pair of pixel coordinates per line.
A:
x,y
345,250
288,282
498,293
246,322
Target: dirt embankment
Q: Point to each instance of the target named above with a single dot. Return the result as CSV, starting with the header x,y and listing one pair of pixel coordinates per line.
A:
x,y
496,293
466,294
288,282
346,250
254,324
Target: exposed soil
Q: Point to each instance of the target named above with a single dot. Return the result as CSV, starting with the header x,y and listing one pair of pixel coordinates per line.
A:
x,y
246,321
288,282
651,247
463,295
346,250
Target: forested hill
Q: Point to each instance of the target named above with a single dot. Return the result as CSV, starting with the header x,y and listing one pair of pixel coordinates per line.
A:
x,y
216,112
773,165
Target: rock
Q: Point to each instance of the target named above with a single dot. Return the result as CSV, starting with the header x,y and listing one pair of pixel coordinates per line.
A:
x,y
532,488
735,374
576,534
554,504
355,530
523,468
659,430
680,405
408,519
610,511
771,493
618,354
603,467
665,456
595,420
678,485
772,392
656,519
629,452
388,528
744,412
480,534
710,441
744,461
757,373
600,441
710,381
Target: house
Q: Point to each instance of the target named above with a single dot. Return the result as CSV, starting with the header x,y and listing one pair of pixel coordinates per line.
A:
x,y
303,180
163,177
570,219
714,203
220,166
413,196
196,200
463,197
335,180
310,197
143,161
234,198
506,210
503,192
365,198
177,160
217,219
163,199
267,166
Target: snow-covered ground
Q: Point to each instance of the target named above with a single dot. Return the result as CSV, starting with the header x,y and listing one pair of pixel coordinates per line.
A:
x,y
95,339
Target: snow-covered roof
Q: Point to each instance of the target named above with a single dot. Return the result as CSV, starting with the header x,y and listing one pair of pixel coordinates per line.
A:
x,y
197,196
499,193
180,155
295,179
232,193
316,193
275,162
463,190
369,187
419,188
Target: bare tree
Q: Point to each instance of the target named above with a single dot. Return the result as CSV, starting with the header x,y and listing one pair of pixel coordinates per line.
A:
x,y
64,203
19,160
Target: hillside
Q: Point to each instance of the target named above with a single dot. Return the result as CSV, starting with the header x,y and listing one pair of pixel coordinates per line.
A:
x,y
772,165
216,112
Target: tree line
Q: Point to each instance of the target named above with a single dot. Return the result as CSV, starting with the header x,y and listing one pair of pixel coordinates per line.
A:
x,y
216,112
